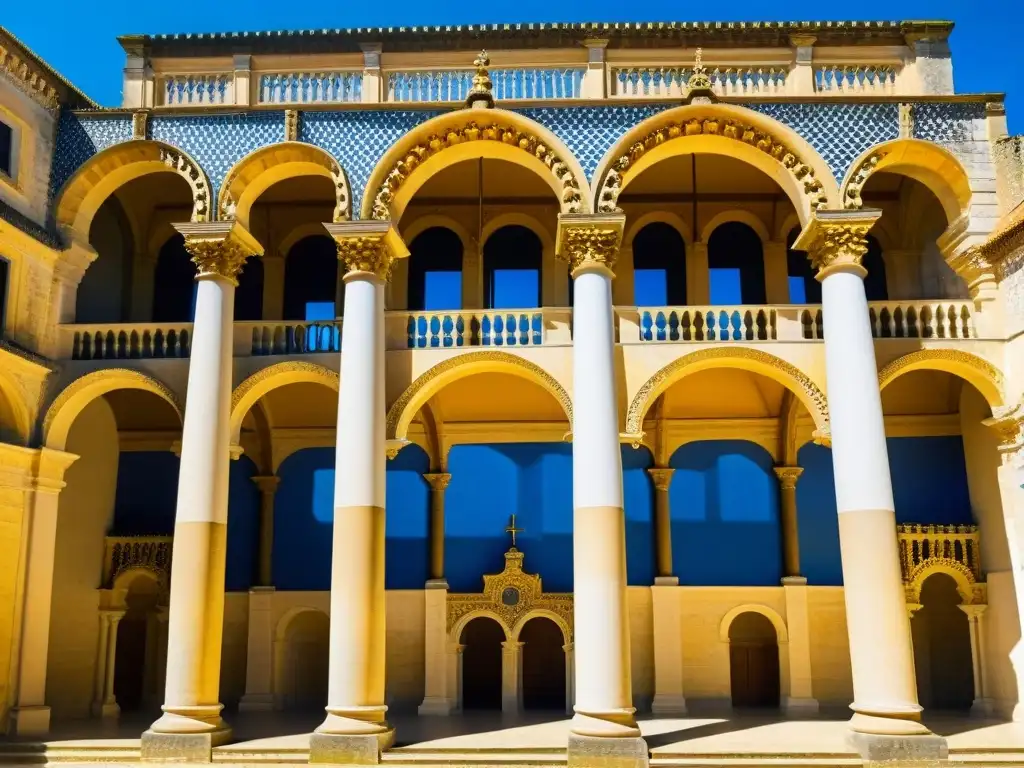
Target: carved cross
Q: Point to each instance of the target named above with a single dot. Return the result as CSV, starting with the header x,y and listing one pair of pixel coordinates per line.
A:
x,y
511,528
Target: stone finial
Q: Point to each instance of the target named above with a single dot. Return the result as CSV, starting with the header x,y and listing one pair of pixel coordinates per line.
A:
x,y
699,85
480,95
291,125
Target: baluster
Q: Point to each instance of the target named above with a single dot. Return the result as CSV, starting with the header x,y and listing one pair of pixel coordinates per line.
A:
x,y
711,323
485,330
447,326
475,331
421,331
410,332
688,328
807,323
660,323
134,351
702,329
524,330
673,325
645,326
537,329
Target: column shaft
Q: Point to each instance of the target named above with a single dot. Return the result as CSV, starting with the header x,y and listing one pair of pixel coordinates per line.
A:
x,y
787,512
511,676
108,688
662,478
268,490
100,677
191,724
438,483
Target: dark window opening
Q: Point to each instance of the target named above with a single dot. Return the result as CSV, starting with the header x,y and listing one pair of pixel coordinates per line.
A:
x,y
512,269
659,267
6,149
736,265
435,271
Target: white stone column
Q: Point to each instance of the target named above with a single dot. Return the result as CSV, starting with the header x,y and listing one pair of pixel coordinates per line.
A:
x,y
100,673
29,714
886,722
191,724
110,707
511,676
604,727
980,706
355,729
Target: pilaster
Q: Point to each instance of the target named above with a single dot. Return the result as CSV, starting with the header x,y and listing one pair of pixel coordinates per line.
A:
x,y
440,693
698,283
511,677
595,79
373,81
242,79
801,693
666,604
801,78
259,665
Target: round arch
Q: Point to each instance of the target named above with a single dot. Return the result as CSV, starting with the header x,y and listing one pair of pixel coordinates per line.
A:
x,y
541,613
282,625
20,412
402,411
273,377
300,233
456,631
719,129
258,171
421,224
742,217
789,223
923,161
658,217
769,613
977,371
83,194
959,572
467,135
76,396
126,578
517,219
742,358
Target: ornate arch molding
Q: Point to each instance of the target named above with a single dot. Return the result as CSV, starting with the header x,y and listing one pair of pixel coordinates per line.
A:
x,y
743,358
402,411
255,173
76,396
923,161
967,585
264,381
469,134
782,634
977,371
724,129
105,172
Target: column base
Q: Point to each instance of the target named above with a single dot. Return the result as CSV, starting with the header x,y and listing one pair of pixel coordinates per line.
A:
x,y
349,748
29,721
182,747
436,706
897,749
798,707
666,581
106,711
607,752
668,704
256,702
983,708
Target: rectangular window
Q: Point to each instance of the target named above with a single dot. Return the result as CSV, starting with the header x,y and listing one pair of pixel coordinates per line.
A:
x,y
6,150
442,289
516,289
726,286
650,287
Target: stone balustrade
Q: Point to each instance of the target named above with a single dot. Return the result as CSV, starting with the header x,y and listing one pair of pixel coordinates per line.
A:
x,y
198,90
922,319
125,341
919,544
524,83
125,553
335,87
478,328
856,79
287,337
669,82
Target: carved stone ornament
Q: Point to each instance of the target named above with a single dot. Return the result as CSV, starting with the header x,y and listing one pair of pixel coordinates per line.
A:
x,y
1008,423
27,79
859,177
481,92
181,164
837,239
511,595
589,240
661,477
219,248
366,254
788,476
140,125
906,121
611,184
291,125
571,199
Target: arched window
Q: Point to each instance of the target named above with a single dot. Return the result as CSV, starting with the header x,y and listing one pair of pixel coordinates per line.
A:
x,y
736,265
311,280
512,269
874,282
435,270
804,287
174,284
659,266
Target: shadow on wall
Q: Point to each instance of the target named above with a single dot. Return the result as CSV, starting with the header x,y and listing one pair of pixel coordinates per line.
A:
x,y
725,515
929,484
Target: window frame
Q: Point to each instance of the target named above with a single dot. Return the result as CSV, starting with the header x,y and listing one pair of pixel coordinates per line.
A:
x,y
11,177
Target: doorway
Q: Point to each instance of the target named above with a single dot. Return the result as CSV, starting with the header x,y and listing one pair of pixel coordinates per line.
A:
x,y
942,647
543,665
306,656
753,661
481,664
136,658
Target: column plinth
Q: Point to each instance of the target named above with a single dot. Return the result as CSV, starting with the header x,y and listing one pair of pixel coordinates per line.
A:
x,y
355,730
191,724
603,729
886,722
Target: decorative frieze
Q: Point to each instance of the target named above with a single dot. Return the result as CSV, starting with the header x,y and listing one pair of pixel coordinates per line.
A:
x,y
27,79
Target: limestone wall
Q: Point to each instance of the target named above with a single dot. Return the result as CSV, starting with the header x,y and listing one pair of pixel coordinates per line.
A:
x,y
832,679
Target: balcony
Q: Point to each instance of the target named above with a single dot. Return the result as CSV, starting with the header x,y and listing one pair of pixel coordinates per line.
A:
x,y
126,553
548,326
950,549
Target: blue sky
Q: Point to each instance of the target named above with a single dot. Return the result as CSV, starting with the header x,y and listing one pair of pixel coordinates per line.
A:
x,y
987,43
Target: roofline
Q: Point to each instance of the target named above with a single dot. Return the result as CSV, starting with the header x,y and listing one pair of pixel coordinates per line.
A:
x,y
938,28
40,62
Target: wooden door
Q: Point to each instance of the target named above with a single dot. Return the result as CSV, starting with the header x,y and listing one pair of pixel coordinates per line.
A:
x,y
754,671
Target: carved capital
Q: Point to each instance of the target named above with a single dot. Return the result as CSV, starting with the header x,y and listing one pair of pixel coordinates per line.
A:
x,y
836,241
367,247
438,480
788,476
1008,423
218,248
589,241
662,477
